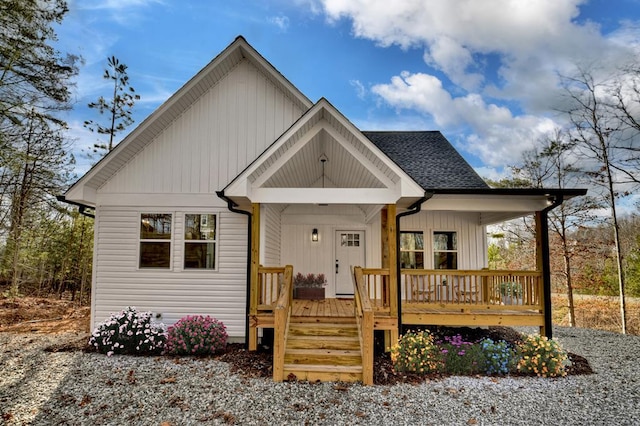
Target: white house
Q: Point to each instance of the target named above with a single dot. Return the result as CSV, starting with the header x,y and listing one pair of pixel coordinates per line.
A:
x,y
239,173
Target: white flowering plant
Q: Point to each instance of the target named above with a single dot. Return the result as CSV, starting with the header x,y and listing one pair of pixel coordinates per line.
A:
x,y
129,332
196,335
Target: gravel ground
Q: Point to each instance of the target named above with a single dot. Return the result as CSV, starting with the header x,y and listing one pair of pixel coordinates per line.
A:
x,y
60,388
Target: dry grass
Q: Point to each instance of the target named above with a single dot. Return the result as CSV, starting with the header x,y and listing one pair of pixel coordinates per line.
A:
x,y
51,315
42,315
599,312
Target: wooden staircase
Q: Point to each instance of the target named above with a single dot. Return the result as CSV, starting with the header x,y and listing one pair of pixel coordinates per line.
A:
x,y
325,349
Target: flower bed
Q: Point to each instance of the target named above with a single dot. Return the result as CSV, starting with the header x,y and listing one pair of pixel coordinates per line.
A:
x,y
419,352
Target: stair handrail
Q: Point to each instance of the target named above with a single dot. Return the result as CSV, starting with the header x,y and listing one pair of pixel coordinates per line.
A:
x,y
281,316
364,321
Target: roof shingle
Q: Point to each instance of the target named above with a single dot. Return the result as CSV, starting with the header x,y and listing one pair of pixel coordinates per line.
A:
x,y
428,157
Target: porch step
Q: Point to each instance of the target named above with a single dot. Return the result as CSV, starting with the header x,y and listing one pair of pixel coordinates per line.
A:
x,y
324,373
325,351
322,342
323,356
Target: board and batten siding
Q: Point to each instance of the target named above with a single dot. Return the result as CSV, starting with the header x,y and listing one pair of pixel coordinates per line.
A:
x,y
270,232
297,249
213,141
173,293
472,237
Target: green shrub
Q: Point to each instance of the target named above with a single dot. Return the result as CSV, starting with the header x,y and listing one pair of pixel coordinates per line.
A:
x,y
541,356
196,335
129,332
416,353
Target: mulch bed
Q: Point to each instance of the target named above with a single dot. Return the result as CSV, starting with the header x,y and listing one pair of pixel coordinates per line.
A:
x,y
260,363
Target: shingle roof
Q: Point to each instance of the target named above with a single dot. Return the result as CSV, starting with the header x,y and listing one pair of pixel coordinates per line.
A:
x,y
428,157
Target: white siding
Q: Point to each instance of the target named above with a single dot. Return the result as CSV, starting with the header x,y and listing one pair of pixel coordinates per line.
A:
x,y
472,239
318,257
173,293
270,236
213,141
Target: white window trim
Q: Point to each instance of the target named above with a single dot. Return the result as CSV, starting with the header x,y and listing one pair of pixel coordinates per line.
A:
x,y
216,242
170,240
424,245
434,251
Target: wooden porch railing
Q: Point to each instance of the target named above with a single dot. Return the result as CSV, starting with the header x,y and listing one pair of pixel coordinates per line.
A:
x,y
364,320
270,285
281,316
486,289
375,283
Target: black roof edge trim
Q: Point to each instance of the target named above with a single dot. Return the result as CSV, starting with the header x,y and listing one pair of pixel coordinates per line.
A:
x,y
572,192
82,208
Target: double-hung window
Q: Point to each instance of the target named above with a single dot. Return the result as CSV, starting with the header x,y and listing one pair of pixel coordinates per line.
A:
x,y
412,250
200,239
445,250
155,240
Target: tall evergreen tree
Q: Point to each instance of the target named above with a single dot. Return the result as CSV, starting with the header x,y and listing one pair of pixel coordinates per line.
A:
x,y
118,108
34,88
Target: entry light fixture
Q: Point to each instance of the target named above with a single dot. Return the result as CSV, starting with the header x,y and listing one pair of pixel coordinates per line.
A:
x,y
314,235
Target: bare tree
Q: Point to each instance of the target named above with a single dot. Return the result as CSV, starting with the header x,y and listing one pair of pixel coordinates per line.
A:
x,y
601,140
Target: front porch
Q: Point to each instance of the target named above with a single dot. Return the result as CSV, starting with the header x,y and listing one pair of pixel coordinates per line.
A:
x,y
332,339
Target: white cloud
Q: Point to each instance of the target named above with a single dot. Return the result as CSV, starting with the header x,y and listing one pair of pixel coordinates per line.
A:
x,y
361,92
500,56
282,22
495,134
123,12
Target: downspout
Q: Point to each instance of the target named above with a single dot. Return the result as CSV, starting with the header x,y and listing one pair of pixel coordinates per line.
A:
x,y
546,267
413,209
82,208
231,205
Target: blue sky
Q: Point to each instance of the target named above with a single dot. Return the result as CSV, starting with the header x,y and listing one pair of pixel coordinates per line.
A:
x,y
484,73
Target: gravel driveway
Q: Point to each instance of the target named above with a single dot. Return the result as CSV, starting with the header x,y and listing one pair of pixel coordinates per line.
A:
x,y
44,388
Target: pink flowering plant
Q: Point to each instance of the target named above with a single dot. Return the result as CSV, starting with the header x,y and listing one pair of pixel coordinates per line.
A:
x,y
459,356
129,332
196,335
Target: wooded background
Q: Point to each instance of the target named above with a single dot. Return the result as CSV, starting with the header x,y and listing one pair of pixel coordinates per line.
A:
x,y
46,246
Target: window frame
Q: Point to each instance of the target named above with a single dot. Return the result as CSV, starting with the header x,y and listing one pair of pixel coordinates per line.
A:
x,y
456,251
142,241
215,241
423,251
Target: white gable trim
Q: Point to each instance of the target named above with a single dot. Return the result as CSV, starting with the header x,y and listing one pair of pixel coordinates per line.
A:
x,y
171,109
249,184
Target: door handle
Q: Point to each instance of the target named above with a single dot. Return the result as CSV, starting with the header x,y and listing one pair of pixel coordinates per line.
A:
x,y
337,266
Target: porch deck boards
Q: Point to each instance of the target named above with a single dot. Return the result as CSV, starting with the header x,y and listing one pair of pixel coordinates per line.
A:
x,y
413,313
335,308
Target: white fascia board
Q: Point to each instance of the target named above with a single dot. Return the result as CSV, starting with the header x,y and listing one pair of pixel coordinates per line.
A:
x,y
238,188
82,194
324,195
486,203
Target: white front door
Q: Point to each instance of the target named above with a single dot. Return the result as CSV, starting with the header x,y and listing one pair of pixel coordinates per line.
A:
x,y
349,253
